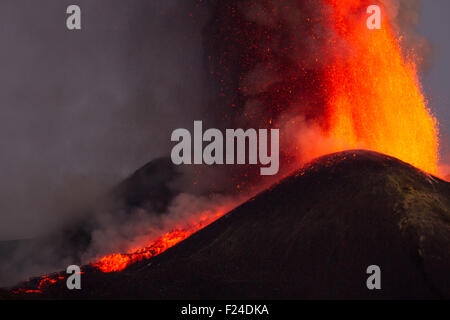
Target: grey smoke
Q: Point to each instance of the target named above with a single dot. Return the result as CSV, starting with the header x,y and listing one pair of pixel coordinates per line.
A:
x,y
82,110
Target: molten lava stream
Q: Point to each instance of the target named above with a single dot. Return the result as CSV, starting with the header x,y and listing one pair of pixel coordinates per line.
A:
x,y
119,261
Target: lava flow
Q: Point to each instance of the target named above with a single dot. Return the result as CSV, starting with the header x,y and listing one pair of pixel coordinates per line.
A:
x,y
119,261
375,100
44,282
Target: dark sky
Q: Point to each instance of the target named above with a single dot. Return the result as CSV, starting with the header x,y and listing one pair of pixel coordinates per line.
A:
x,y
82,110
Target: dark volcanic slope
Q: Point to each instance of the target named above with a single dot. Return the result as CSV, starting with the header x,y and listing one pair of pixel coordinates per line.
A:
x,y
311,236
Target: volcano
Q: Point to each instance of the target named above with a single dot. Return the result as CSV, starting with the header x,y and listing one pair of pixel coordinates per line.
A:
x,y
310,236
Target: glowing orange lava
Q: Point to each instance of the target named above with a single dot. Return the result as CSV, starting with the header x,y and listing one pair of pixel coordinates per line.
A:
x,y
119,261
375,100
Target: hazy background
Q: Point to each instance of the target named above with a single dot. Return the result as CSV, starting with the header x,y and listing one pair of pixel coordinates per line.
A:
x,y
80,110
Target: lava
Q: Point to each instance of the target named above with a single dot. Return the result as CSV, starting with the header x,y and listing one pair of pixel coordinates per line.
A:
x,y
44,282
119,261
375,100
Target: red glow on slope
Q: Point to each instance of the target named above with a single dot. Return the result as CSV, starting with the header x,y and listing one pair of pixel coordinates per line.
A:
x,y
119,261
